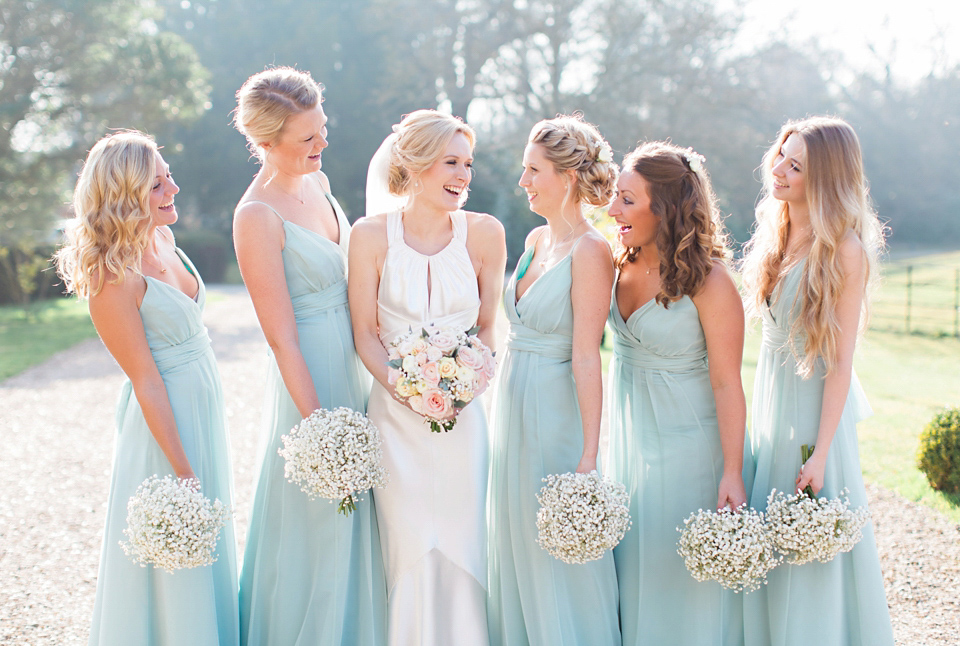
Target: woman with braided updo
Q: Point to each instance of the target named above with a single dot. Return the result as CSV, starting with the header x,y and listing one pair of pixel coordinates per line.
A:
x,y
677,409
546,413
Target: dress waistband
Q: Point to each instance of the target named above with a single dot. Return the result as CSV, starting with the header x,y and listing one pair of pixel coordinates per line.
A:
x,y
775,337
173,356
306,305
640,358
553,346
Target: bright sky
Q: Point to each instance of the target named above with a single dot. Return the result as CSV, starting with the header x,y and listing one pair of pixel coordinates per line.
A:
x,y
920,33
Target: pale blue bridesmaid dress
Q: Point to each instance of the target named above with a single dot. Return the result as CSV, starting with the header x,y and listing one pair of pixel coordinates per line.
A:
x,y
534,598
311,576
840,603
665,448
148,606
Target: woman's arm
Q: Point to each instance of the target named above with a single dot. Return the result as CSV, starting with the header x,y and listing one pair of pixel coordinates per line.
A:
x,y
836,384
721,316
116,315
488,247
592,268
259,238
368,249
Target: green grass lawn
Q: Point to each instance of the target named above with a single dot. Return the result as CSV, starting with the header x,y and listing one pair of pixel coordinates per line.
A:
x,y
31,334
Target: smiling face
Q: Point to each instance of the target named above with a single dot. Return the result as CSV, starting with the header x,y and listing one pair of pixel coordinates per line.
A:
x,y
162,210
545,186
787,171
298,149
631,210
444,184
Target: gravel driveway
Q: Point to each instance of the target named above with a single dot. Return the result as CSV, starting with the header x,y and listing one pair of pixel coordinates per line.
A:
x,y
56,429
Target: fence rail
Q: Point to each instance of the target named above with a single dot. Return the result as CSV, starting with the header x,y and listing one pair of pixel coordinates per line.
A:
x,y
918,298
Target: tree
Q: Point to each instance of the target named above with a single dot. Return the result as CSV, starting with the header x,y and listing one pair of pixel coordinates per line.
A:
x,y
69,70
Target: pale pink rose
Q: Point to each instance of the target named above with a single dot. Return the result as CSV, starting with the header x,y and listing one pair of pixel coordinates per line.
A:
x,y
393,354
421,358
433,353
489,364
467,356
405,346
431,374
480,383
447,368
444,341
416,403
392,375
419,345
435,404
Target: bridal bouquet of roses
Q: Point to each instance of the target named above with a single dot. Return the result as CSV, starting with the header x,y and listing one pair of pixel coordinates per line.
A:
x,y
334,454
730,547
172,525
805,528
439,369
581,516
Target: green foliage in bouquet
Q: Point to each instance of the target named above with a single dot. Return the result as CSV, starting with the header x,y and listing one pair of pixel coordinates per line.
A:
x,y
939,453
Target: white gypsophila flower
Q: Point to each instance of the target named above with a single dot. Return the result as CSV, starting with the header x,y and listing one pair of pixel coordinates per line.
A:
x,y
695,160
805,529
334,454
172,525
448,383
581,516
729,547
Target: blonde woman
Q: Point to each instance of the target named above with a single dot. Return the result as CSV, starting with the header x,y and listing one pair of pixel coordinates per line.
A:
x,y
310,576
146,300
677,409
419,258
806,274
548,396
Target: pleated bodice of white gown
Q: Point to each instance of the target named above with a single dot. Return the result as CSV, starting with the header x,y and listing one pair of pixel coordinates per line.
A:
x,y
432,512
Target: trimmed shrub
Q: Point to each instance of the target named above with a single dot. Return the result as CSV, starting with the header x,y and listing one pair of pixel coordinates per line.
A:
x,y
939,454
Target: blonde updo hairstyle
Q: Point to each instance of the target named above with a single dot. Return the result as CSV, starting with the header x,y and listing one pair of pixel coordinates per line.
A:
x,y
838,199
421,139
690,236
111,205
267,99
569,142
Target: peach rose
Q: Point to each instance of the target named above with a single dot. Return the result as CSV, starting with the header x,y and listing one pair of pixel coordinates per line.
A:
x,y
431,374
416,403
419,345
392,375
435,404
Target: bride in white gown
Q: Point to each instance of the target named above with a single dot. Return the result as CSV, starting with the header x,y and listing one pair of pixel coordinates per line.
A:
x,y
417,258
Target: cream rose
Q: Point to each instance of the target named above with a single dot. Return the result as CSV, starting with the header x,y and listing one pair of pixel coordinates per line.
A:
x,y
447,368
405,387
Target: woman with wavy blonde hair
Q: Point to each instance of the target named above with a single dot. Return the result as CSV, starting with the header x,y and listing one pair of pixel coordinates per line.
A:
x,y
547,403
806,274
146,301
309,576
677,409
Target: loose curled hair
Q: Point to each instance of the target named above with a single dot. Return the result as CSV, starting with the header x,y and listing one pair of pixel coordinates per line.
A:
x,y
267,99
838,199
111,206
568,143
690,235
421,139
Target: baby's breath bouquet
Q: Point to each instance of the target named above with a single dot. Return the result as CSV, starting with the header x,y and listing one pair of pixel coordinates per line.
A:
x,y
172,525
805,528
334,454
581,516
729,547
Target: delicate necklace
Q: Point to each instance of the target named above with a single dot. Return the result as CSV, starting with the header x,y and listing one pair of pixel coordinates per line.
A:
x,y
644,261
158,265
557,244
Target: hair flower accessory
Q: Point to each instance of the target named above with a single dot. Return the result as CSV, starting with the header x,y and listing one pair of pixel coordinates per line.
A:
x,y
605,153
695,160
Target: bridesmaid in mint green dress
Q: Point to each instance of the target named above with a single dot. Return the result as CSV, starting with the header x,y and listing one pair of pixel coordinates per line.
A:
x,y
546,411
677,409
811,226
170,416
310,575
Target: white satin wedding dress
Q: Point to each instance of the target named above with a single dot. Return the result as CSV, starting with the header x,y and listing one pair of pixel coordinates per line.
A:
x,y
432,512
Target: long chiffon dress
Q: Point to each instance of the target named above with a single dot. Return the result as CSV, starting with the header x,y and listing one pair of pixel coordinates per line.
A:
x,y
312,576
148,605
535,598
665,448
432,512
840,603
